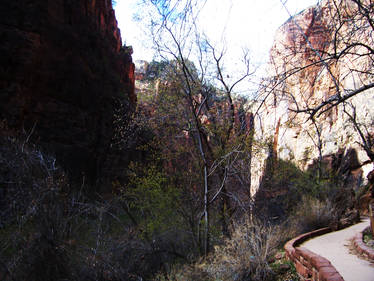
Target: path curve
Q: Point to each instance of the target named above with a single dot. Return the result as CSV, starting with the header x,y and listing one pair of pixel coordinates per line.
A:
x,y
333,246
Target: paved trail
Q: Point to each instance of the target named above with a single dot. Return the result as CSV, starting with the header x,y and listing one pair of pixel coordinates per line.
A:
x,y
333,246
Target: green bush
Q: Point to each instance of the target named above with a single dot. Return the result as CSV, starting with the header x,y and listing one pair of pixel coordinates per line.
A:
x,y
151,200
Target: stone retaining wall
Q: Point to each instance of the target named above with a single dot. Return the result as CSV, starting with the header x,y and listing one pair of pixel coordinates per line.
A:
x,y
361,247
309,265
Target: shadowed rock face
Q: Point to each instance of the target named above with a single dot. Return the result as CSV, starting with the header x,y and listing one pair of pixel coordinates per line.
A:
x,y
63,70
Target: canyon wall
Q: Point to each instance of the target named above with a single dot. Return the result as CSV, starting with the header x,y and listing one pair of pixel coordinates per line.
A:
x,y
64,76
309,65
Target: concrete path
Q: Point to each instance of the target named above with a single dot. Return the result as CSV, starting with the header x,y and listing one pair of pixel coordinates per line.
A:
x,y
334,247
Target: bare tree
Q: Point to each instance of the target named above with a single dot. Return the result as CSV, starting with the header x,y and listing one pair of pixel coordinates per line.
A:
x,y
209,95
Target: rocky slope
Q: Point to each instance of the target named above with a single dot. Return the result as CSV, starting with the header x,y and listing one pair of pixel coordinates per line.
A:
x,y
298,82
63,76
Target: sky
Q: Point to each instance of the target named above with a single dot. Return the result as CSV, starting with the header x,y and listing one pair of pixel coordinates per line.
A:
x,y
235,24
249,24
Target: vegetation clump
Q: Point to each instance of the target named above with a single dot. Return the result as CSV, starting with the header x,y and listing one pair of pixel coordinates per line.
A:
x,y
368,238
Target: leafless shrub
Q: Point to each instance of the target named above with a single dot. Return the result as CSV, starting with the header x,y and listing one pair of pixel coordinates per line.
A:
x,y
245,256
184,273
50,231
312,213
35,217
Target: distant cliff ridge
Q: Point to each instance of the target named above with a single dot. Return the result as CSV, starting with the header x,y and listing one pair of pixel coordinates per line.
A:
x,y
299,82
64,71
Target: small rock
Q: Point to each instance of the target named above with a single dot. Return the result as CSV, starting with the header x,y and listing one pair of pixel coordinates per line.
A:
x,y
284,267
279,256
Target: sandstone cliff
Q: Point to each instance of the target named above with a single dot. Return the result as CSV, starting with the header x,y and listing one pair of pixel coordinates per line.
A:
x,y
310,65
63,75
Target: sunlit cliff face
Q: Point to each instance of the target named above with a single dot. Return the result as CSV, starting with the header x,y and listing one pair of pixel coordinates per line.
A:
x,y
299,81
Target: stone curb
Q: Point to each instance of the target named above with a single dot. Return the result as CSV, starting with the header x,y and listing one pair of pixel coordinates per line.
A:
x,y
361,246
309,265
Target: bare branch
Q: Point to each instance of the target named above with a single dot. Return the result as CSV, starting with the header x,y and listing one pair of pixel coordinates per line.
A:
x,y
332,102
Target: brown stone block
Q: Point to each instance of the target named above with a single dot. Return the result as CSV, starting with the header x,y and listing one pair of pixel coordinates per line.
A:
x,y
315,274
290,250
335,277
297,256
302,270
290,254
307,254
329,274
318,262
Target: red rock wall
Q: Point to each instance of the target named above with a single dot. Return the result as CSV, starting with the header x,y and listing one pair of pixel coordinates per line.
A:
x,y
63,70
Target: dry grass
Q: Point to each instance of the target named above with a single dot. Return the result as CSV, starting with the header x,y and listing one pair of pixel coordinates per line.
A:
x,y
245,256
311,214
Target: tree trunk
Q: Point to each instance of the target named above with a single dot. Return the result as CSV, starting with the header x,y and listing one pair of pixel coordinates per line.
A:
x,y
206,213
371,215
